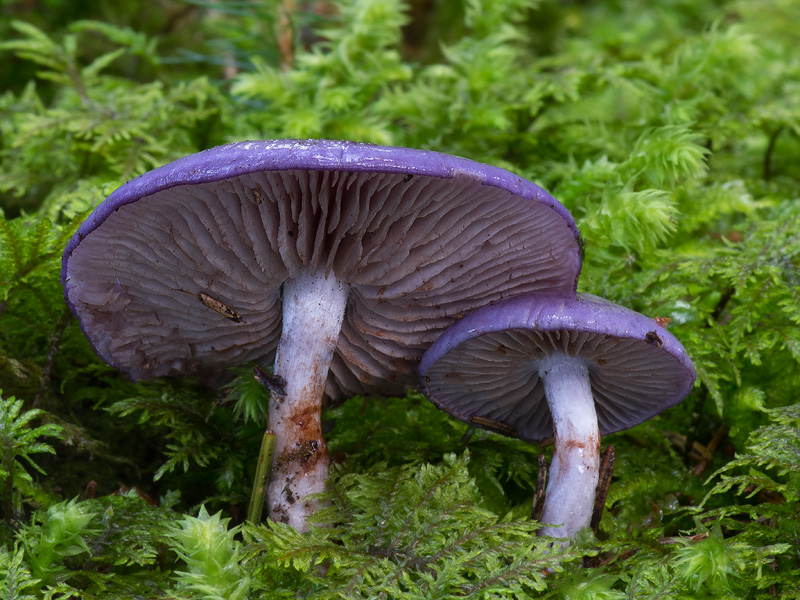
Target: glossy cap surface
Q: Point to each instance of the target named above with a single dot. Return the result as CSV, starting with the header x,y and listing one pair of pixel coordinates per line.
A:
x,y
484,369
180,270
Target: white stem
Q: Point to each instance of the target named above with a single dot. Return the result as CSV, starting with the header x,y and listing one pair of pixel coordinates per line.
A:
x,y
313,310
574,470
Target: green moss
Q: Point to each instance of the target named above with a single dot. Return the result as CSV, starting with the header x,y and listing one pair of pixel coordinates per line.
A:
x,y
671,130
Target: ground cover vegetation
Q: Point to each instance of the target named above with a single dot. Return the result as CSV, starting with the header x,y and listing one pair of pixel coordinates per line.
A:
x,y
671,130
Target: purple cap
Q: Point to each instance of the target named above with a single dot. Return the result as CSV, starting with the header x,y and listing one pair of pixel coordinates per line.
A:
x,y
483,369
180,270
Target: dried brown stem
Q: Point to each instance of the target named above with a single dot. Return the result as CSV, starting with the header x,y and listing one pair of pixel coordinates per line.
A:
x,y
710,448
607,461
55,344
538,494
773,138
285,34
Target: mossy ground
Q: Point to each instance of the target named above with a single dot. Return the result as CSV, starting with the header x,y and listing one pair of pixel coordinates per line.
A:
x,y
670,130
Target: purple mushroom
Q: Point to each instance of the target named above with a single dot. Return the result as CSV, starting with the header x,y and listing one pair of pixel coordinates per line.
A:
x,y
340,262
575,368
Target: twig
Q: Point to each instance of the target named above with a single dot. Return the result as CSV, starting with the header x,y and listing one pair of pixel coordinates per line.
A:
x,y
722,303
710,448
692,437
679,539
285,35
768,154
607,461
538,495
55,343
274,383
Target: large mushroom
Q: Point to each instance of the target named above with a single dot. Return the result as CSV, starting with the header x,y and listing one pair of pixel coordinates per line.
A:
x,y
574,368
340,261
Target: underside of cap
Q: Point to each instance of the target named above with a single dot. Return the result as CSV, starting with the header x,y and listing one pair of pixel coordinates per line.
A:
x,y
180,271
484,369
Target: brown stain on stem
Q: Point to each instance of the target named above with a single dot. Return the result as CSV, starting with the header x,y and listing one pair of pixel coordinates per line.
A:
x,y
306,453
304,427
568,450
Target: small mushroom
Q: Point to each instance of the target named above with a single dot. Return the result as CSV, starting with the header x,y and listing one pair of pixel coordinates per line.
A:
x,y
339,262
574,368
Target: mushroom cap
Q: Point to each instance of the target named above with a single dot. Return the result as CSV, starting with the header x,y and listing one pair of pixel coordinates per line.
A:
x,y
179,271
484,368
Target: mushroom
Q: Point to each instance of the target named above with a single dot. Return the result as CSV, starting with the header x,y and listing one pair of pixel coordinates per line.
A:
x,y
571,367
341,262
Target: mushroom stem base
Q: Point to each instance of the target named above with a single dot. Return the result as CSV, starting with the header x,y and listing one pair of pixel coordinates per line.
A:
x,y
313,311
574,470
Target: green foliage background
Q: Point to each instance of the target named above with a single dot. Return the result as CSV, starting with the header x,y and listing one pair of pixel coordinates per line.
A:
x,y
671,130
